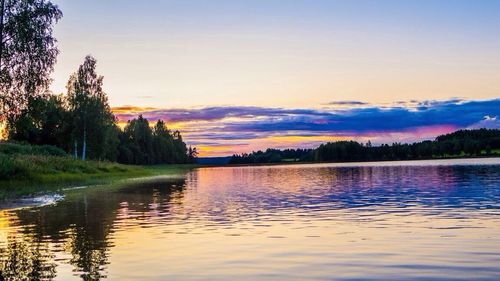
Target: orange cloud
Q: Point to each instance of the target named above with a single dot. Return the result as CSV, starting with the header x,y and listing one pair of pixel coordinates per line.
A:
x,y
130,109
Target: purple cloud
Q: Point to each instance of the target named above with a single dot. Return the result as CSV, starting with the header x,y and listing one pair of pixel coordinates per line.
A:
x,y
218,113
348,103
363,120
250,122
488,122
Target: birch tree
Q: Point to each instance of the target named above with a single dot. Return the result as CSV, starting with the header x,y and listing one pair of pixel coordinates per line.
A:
x,y
28,52
91,115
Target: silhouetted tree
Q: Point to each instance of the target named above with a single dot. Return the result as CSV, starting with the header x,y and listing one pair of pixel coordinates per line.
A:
x,y
141,145
468,142
28,52
136,144
93,122
192,154
43,122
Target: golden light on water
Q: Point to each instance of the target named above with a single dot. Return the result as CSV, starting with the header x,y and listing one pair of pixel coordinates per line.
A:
x,y
4,227
314,221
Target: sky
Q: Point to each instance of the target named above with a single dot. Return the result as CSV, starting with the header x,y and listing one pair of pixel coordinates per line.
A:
x,y
236,76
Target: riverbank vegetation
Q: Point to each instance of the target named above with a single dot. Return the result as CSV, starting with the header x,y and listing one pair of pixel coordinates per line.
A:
x,y
79,122
26,169
462,143
72,138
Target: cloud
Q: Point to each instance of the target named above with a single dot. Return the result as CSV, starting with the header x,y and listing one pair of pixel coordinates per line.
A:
x,y
374,119
488,122
348,103
213,113
223,136
130,109
216,144
236,125
251,120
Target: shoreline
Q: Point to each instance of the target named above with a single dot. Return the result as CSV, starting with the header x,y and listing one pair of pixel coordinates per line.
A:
x,y
350,162
52,182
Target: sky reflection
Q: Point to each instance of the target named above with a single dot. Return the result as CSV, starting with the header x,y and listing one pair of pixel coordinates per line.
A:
x,y
289,221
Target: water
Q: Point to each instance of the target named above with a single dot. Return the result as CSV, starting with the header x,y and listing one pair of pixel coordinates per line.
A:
x,y
433,220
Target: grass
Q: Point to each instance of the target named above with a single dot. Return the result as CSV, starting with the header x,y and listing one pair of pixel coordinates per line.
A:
x,y
28,169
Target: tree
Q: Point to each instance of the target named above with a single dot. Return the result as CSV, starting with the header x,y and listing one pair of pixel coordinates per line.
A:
x,y
142,145
473,142
137,143
28,52
193,154
180,149
162,144
43,121
92,120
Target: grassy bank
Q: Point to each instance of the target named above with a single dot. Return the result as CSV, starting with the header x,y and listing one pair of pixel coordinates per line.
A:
x,y
28,169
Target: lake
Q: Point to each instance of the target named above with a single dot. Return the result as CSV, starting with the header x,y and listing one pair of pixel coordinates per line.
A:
x,y
433,220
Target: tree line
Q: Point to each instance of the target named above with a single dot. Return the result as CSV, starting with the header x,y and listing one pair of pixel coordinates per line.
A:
x,y
81,121
272,155
460,143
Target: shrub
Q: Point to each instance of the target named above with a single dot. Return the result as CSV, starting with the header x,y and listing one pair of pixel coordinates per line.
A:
x,y
9,168
10,148
48,150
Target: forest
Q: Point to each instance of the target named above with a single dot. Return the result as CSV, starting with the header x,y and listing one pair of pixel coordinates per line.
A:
x,y
80,122
462,143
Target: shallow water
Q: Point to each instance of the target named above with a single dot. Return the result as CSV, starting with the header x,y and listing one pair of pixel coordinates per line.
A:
x,y
437,220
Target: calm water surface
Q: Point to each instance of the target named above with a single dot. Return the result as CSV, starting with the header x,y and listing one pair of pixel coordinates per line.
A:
x,y
403,220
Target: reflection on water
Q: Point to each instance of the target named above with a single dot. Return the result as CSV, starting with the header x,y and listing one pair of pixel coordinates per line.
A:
x,y
281,222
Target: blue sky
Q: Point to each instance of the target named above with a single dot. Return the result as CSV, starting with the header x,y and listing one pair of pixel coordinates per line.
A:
x,y
309,54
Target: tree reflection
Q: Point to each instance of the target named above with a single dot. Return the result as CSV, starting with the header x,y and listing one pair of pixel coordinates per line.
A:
x,y
26,258
80,226
80,230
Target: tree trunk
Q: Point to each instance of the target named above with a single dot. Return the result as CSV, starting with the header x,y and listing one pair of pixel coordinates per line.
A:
x,y
84,146
76,150
2,12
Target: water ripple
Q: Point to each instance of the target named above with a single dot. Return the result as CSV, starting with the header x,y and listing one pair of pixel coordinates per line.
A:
x,y
328,221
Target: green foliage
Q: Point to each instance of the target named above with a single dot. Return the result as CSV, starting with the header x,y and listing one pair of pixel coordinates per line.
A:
x,y
8,167
82,124
40,168
93,124
17,161
27,54
457,144
141,145
45,121
8,148
23,172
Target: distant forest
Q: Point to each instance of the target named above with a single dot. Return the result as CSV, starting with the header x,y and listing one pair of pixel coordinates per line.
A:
x,y
462,143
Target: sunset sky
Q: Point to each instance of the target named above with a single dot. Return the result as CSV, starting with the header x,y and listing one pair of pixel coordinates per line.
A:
x,y
236,76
